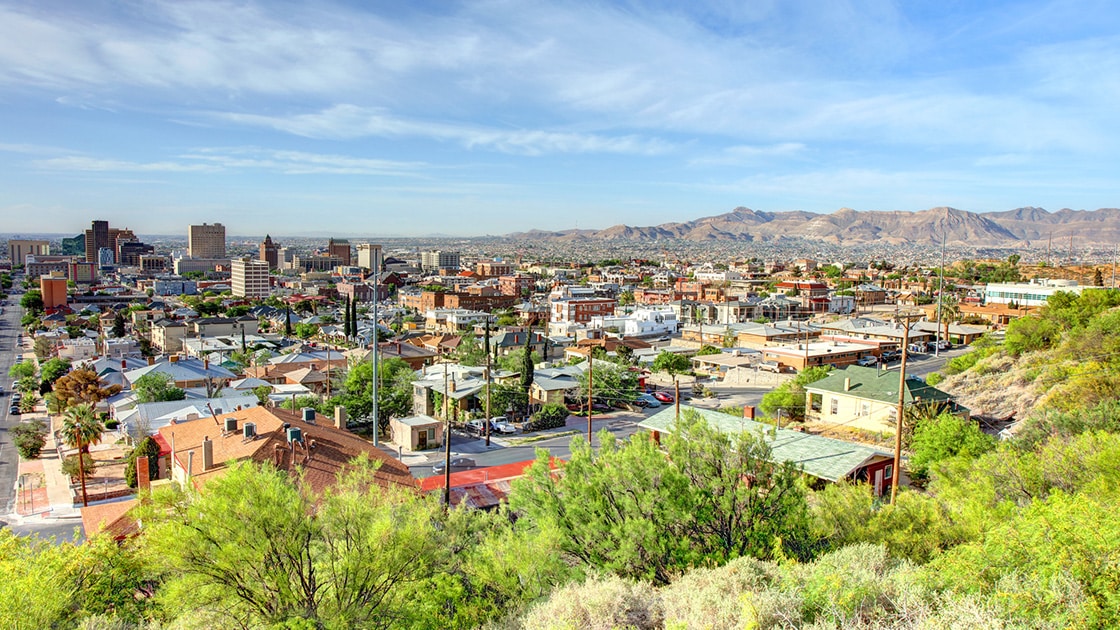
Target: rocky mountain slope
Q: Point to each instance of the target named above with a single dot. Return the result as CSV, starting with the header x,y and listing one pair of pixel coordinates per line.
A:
x,y
1022,227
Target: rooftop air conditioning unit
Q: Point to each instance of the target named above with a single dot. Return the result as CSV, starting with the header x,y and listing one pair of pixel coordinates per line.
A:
x,y
249,430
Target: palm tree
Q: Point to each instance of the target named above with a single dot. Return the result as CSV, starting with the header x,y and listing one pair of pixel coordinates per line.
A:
x,y
81,427
950,312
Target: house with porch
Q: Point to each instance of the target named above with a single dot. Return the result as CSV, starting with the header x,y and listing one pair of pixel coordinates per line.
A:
x,y
820,457
867,398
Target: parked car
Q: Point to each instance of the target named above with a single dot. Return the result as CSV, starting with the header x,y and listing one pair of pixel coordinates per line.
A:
x,y
457,464
770,366
868,361
944,345
664,397
476,426
501,425
647,400
14,410
891,355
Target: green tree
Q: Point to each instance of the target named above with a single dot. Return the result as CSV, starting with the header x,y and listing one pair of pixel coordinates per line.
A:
x,y
304,330
470,351
394,390
146,448
515,360
789,397
262,392
29,438
118,325
32,301
672,364
946,436
21,370
156,387
631,510
257,552
54,369
612,382
707,350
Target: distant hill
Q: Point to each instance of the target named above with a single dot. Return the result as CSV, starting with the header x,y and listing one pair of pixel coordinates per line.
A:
x,y
1022,227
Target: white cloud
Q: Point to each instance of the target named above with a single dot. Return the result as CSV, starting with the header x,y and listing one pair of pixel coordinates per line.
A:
x,y
351,121
81,163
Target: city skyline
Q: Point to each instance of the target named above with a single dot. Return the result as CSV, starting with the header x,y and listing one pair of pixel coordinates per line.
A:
x,y
490,118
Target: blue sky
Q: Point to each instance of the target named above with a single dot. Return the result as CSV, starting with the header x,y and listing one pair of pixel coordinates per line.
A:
x,y
494,116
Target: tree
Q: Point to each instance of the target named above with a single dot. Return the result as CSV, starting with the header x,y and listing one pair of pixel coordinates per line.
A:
x,y
156,387
29,438
81,425
305,331
262,392
82,386
672,364
21,370
54,369
633,511
146,448
32,301
287,320
394,390
515,360
43,348
470,351
945,436
527,364
707,350
612,382
258,552
950,312
1098,279
789,397
118,325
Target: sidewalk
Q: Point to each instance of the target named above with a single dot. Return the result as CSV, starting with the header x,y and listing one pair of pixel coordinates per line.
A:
x,y
45,496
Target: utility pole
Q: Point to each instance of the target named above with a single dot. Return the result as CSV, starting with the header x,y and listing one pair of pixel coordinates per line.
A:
x,y
941,288
488,416
446,443
328,370
81,464
590,387
376,376
896,471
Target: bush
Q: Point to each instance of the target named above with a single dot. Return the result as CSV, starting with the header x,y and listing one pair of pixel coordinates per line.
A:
x,y
551,416
943,437
112,424
29,438
933,378
70,466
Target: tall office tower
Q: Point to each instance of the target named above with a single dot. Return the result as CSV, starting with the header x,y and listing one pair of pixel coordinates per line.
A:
x,y
206,241
117,238
269,251
340,248
96,238
249,278
435,260
370,257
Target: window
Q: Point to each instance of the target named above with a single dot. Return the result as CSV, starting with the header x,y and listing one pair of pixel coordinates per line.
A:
x,y
888,471
864,408
833,406
431,434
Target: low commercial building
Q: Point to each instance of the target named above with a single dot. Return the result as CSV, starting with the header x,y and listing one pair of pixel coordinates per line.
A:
x,y
1033,293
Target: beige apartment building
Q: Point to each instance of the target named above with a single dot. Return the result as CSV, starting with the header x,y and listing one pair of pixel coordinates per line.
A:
x,y
249,278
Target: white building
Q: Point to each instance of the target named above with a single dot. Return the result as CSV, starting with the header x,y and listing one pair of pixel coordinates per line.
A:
x,y
370,257
1033,293
249,278
643,322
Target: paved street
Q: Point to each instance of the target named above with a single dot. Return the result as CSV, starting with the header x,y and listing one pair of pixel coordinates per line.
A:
x,y
9,458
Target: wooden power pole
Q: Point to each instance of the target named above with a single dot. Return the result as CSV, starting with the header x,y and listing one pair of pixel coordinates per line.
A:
x,y
896,471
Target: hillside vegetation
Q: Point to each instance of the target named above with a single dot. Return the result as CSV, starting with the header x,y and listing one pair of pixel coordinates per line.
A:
x,y
701,532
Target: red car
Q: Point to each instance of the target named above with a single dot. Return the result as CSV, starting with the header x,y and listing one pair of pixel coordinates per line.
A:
x,y
663,397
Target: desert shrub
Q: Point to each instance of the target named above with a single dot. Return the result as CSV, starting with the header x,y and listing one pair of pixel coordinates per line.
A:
x,y
933,378
598,604
943,437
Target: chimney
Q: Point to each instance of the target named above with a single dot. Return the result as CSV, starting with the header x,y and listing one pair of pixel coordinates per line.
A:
x,y
207,454
847,384
206,364
451,386
124,364
174,358
748,412
340,417
151,360
143,476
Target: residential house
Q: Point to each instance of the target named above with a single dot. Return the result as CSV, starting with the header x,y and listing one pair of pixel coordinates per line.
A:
x,y
817,456
416,433
308,446
167,335
867,398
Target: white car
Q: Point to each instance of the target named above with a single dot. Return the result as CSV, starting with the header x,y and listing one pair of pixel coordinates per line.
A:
x,y
868,361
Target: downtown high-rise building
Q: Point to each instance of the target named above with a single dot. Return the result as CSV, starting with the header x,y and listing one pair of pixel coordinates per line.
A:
x,y
206,241
370,257
249,278
269,251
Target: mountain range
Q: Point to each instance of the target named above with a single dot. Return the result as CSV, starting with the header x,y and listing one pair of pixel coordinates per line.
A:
x,y
1022,227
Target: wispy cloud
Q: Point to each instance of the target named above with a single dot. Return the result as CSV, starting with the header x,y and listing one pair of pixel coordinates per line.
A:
x,y
351,121
212,160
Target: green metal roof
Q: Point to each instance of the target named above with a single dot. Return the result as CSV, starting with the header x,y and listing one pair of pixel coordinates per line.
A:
x,y
818,456
876,384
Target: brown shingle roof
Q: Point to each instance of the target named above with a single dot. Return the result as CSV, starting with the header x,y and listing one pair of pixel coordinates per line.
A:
x,y
332,452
